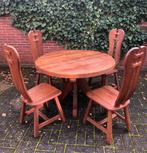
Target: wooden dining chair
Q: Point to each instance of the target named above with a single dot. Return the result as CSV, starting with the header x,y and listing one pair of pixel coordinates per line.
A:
x,y
116,37
35,40
111,99
34,97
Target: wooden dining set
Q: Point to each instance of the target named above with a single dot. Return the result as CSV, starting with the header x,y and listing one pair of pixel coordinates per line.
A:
x,y
77,68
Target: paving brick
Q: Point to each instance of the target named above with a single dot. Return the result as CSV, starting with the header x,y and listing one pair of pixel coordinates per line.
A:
x,y
6,150
84,149
72,136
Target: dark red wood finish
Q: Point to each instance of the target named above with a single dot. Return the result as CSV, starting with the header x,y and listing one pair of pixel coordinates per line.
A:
x,y
36,44
75,65
112,99
35,97
116,37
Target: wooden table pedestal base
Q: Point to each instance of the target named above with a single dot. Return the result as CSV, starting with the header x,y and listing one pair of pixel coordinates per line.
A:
x,y
73,85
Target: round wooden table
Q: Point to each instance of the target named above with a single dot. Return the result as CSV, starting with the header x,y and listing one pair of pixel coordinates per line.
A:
x,y
75,65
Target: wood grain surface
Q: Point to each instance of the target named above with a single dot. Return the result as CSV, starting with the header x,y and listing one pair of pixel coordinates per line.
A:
x,y
75,63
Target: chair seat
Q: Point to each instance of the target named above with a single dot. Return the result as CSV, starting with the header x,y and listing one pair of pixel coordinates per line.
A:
x,y
42,93
38,71
112,71
106,97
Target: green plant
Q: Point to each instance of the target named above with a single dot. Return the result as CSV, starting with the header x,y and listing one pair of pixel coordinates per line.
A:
x,y
4,7
82,24
126,15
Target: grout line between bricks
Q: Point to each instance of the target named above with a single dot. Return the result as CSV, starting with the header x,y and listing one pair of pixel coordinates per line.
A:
x,y
65,146
51,131
21,139
58,136
38,143
7,147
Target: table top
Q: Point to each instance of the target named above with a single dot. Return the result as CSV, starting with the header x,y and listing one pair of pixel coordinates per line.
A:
x,y
74,64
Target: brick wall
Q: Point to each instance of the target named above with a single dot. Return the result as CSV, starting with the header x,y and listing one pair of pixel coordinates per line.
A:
x,y
17,38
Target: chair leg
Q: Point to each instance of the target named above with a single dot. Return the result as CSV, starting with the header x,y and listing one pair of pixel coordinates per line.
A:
x,y
103,79
46,105
87,111
38,78
49,80
127,118
90,81
22,113
64,80
36,122
75,97
109,128
116,80
60,109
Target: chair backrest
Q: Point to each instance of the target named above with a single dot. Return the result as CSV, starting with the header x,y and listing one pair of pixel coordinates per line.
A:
x,y
13,61
116,36
132,65
35,40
